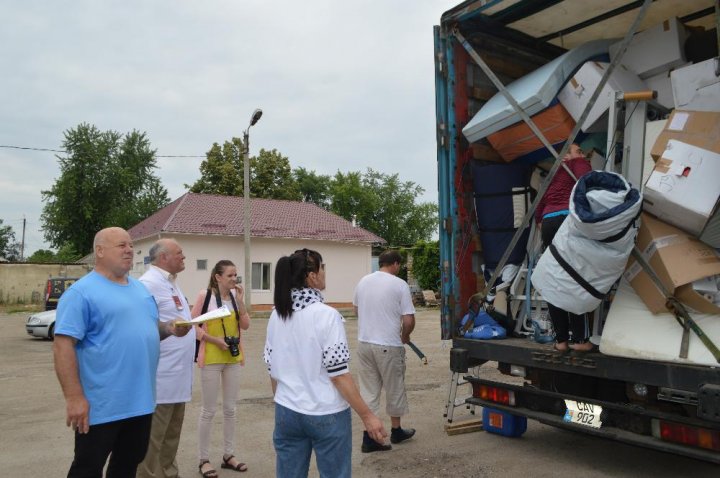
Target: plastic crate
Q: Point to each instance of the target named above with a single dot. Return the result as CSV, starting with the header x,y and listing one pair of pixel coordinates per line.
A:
x,y
503,423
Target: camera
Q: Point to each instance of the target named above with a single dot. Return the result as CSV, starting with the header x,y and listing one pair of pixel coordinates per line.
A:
x,y
233,345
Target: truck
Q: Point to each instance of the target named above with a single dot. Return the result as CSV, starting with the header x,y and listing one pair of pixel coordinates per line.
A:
x,y
482,46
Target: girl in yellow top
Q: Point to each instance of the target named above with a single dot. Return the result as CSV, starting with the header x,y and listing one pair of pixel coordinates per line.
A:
x,y
219,358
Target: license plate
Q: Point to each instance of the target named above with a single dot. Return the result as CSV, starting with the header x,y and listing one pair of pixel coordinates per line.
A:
x,y
583,413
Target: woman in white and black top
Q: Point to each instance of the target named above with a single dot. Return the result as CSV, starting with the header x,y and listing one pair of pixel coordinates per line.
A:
x,y
220,358
307,355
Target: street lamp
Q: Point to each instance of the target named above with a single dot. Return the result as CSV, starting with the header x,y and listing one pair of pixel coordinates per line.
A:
x,y
246,205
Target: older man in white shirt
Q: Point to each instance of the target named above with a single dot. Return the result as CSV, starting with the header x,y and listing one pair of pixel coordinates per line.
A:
x,y
175,369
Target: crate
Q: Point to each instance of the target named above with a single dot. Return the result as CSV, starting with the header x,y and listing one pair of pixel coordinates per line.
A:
x,y
503,423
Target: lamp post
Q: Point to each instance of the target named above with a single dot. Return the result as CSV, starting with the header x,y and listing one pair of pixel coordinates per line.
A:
x,y
246,206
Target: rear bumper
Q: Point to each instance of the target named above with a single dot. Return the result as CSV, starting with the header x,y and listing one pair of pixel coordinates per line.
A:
x,y
624,423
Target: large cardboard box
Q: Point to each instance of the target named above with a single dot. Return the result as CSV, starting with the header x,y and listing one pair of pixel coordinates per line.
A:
x,y
519,140
576,94
678,259
695,87
699,128
663,85
655,49
652,131
684,187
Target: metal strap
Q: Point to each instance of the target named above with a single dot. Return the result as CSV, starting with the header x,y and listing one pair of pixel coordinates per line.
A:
x,y
621,234
575,275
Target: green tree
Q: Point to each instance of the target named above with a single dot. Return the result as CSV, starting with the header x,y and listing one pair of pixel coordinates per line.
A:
x,y
106,179
271,177
42,255
222,170
383,204
67,253
222,173
314,188
426,264
9,248
349,199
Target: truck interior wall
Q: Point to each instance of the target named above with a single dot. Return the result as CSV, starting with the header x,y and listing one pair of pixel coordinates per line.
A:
x,y
466,280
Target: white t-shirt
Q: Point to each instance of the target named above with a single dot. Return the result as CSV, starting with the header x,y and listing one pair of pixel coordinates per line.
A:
x,y
382,299
302,353
175,368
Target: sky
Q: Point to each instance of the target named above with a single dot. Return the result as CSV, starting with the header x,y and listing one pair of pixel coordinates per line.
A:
x,y
343,85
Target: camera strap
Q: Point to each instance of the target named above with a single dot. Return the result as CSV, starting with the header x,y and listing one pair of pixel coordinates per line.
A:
x,y
218,301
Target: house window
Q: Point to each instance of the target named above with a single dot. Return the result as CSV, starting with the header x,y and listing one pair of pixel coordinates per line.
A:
x,y
261,276
202,264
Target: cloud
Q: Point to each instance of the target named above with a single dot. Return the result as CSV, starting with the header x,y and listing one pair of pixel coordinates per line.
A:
x,y
343,85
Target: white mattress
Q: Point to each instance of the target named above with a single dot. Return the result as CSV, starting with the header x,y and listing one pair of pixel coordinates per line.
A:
x,y
534,92
633,331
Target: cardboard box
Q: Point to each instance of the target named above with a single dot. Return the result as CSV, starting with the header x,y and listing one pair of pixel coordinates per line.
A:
x,y
678,259
655,49
485,152
652,131
663,85
518,140
695,87
699,128
578,90
684,187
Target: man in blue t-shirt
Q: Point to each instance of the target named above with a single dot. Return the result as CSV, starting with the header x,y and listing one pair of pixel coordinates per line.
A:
x,y
107,342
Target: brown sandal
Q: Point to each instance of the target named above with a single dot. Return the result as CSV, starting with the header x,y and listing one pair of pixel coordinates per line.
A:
x,y
239,467
211,473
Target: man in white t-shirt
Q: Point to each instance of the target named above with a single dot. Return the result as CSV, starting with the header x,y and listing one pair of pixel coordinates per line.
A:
x,y
386,317
175,368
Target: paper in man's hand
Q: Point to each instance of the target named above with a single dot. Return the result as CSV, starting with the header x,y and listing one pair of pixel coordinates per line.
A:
x,y
211,315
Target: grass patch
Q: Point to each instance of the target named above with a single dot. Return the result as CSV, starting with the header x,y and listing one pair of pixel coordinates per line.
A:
x,y
20,308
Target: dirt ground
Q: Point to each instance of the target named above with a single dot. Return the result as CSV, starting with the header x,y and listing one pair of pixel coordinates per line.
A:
x,y
34,441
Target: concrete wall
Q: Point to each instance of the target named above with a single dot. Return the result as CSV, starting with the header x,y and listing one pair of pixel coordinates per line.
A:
x,y
345,263
25,283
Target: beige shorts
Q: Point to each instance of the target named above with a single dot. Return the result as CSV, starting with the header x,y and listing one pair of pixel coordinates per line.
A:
x,y
381,367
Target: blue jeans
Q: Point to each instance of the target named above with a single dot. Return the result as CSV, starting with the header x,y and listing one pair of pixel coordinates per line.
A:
x,y
297,435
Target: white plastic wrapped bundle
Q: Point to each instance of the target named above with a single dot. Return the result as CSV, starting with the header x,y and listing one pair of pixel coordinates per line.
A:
x,y
594,242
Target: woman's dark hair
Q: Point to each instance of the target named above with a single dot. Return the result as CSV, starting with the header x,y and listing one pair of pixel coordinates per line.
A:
x,y
218,269
291,273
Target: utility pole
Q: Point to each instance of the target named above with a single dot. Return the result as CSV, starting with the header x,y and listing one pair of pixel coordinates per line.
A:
x,y
246,207
22,242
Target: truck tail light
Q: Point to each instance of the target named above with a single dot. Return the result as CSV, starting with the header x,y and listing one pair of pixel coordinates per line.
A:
x,y
686,435
494,394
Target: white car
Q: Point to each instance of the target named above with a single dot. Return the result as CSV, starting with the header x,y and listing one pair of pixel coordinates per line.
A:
x,y
41,324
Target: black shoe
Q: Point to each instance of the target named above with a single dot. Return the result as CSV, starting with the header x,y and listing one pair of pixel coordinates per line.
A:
x,y
372,445
401,434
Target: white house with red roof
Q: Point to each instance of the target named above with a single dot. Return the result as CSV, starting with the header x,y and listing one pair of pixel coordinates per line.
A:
x,y
210,228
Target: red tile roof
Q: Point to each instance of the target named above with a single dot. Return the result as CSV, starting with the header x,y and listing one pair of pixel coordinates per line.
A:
x,y
194,213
